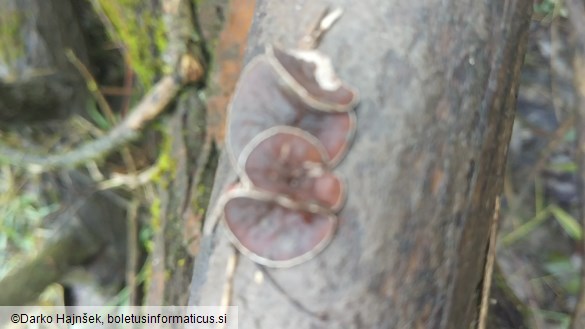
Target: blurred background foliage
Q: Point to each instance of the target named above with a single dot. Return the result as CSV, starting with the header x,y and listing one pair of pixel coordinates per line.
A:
x,y
539,242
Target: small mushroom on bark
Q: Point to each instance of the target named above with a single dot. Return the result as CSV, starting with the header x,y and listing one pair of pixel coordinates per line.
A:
x,y
265,97
311,76
288,161
272,231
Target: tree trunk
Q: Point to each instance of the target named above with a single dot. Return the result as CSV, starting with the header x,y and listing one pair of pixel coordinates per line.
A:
x,y
438,82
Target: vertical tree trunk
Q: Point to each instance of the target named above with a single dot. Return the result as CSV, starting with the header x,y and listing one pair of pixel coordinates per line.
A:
x,y
438,82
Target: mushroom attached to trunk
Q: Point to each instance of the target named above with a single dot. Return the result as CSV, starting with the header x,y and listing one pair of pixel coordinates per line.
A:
x,y
273,231
311,76
288,161
266,96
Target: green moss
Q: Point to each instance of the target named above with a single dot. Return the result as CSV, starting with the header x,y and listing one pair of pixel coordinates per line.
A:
x,y
11,42
166,170
147,276
142,33
202,190
155,212
166,164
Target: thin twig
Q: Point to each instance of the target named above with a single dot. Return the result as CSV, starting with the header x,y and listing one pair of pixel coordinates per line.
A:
x,y
114,91
131,181
92,85
230,271
325,21
294,302
128,130
128,83
489,268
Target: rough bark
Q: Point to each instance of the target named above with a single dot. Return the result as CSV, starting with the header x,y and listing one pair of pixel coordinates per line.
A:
x,y
181,188
438,82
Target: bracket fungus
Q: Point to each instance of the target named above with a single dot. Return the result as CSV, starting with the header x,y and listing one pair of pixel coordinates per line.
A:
x,y
268,94
290,122
272,231
288,161
311,76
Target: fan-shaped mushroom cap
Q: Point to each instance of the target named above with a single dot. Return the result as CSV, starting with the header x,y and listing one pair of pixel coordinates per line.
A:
x,y
264,99
311,76
271,231
288,161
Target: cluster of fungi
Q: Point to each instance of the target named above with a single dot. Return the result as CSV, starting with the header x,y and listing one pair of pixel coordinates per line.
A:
x,y
291,121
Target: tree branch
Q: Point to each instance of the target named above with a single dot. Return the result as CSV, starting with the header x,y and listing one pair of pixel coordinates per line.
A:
x,y
128,130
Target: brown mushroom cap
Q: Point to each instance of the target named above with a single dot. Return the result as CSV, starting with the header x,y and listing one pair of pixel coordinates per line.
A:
x,y
263,99
311,76
335,132
288,161
274,234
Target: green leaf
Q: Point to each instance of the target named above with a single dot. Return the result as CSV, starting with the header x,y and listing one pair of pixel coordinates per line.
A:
x,y
559,266
526,228
567,167
567,221
571,136
97,117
